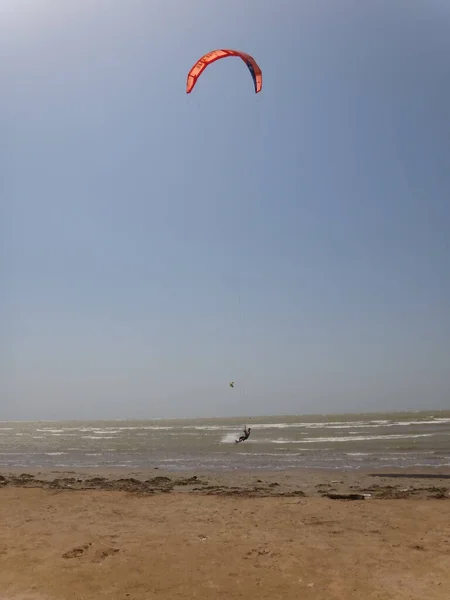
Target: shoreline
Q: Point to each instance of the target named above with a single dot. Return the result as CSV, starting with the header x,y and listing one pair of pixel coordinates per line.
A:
x,y
408,483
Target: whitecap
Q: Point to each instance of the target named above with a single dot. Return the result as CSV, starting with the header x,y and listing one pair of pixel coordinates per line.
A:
x,y
361,438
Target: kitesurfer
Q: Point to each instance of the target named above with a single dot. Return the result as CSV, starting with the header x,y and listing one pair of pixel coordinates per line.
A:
x,y
245,436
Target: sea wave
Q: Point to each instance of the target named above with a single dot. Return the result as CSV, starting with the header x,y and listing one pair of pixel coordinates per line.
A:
x,y
360,438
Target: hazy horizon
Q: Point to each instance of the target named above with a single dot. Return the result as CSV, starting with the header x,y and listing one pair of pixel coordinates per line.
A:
x,y
237,418
156,245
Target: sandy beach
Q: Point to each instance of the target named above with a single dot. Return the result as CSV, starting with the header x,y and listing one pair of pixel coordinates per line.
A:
x,y
121,535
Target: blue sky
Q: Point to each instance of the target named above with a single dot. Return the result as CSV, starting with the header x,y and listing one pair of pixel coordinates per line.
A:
x,y
155,245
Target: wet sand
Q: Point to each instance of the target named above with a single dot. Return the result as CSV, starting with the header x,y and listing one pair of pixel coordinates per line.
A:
x,y
303,534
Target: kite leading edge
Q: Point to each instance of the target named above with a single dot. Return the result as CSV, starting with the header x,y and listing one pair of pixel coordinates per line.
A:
x,y
214,55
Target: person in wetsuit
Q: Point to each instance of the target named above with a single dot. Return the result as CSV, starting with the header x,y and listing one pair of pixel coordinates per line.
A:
x,y
245,436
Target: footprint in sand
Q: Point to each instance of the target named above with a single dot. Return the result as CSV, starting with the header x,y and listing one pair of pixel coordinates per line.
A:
x,y
76,551
99,555
104,553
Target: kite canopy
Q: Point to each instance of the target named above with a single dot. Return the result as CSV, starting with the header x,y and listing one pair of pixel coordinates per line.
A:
x,y
214,55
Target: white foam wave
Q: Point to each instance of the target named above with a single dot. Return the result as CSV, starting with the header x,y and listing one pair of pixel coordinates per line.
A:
x,y
229,438
98,430
426,422
360,438
326,425
358,453
94,437
147,427
116,429
48,430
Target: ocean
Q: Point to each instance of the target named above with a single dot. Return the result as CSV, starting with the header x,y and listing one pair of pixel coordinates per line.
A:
x,y
351,441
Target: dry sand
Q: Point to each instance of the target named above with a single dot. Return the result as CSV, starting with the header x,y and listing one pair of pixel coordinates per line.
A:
x,y
119,535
